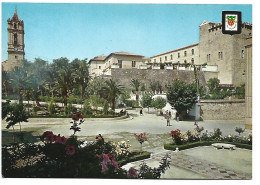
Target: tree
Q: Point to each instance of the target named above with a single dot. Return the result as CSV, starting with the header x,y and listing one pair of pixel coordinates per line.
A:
x,y
19,80
38,77
111,91
240,92
159,103
147,100
213,84
143,88
5,81
182,96
81,74
16,114
136,84
153,86
65,79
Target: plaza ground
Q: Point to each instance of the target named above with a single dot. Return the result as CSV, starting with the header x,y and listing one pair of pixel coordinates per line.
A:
x,y
191,164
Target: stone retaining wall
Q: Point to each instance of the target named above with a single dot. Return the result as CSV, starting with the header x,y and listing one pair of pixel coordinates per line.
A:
x,y
223,109
146,76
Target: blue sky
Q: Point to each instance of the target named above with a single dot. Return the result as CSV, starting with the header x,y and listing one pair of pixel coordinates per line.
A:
x,y
87,30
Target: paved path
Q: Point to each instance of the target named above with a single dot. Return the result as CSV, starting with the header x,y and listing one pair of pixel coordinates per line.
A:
x,y
204,168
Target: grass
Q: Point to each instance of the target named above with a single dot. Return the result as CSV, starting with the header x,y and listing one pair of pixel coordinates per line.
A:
x,y
204,143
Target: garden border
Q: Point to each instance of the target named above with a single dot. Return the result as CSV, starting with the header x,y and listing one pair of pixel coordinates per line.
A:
x,y
204,143
137,157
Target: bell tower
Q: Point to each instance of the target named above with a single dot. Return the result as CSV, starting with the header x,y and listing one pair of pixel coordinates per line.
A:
x,y
15,41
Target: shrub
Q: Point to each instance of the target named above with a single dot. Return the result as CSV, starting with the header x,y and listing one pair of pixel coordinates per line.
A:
x,y
86,108
159,103
239,130
176,136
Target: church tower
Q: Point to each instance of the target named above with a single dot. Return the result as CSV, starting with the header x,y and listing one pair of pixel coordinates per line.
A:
x,y
15,42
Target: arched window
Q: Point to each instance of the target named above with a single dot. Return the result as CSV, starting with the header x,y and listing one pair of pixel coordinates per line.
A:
x,y
192,61
171,57
192,51
15,39
15,26
185,53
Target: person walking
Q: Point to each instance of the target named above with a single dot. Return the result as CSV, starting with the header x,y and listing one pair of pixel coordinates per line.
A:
x,y
141,112
168,120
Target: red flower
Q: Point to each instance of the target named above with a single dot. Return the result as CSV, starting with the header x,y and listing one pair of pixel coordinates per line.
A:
x,y
70,150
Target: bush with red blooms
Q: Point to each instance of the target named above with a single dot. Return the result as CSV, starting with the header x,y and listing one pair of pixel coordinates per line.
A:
x,y
176,136
141,138
77,119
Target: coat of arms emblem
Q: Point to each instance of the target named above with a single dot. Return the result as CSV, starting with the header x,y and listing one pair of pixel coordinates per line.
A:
x,y
231,22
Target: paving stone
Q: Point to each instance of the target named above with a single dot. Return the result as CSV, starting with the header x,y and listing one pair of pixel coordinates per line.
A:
x,y
213,167
222,170
231,173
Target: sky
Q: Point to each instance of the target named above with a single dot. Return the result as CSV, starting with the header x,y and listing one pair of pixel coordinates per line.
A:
x,y
54,30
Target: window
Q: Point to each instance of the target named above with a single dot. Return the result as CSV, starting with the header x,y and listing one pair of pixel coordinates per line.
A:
x,y
192,51
15,57
192,61
15,26
133,63
99,67
165,58
220,55
15,39
243,53
185,53
208,57
171,57
178,55
185,61
120,63
160,59
154,60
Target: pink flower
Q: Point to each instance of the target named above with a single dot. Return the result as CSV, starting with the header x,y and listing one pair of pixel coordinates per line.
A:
x,y
132,173
106,158
63,140
50,138
70,150
115,164
104,166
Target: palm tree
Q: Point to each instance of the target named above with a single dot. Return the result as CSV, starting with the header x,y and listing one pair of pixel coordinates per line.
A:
x,y
81,74
19,80
136,84
65,80
37,77
111,91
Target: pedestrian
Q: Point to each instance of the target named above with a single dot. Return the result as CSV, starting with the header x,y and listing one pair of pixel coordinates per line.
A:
x,y
168,121
170,114
141,112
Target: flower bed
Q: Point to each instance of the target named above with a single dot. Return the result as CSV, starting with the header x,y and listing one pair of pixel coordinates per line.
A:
x,y
203,143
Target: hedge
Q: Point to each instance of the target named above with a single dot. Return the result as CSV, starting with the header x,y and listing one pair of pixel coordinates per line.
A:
x,y
203,143
136,157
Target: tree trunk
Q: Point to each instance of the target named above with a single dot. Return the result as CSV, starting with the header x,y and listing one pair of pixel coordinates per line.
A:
x,y
137,95
13,134
65,97
113,104
82,90
28,107
36,99
20,97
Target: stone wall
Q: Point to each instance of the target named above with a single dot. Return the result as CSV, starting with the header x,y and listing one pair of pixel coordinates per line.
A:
x,y
223,109
146,76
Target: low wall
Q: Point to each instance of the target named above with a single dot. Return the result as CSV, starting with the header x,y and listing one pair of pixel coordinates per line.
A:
x,y
222,109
